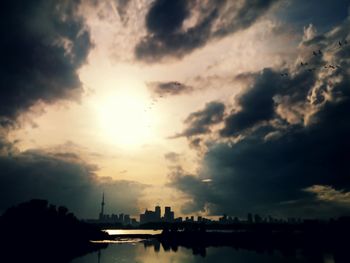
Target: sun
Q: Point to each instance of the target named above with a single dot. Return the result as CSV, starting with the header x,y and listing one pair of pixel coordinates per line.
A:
x,y
125,119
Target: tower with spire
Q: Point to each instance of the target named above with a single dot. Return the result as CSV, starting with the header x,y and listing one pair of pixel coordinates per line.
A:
x,y
101,217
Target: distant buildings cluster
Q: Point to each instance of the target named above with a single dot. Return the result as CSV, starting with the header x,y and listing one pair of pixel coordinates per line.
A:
x,y
257,219
155,216
123,219
169,217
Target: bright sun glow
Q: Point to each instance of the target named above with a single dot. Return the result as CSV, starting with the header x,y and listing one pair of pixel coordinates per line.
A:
x,y
126,118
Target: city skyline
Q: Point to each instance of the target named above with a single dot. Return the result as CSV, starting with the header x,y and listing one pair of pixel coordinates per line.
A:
x,y
150,216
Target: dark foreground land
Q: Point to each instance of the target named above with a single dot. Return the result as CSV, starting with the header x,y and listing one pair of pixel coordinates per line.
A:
x,y
38,232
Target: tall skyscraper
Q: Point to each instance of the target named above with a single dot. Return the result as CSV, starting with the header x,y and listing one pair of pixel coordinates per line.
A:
x,y
157,213
102,206
168,214
250,218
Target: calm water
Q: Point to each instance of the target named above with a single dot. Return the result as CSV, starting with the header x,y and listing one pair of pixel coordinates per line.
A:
x,y
151,251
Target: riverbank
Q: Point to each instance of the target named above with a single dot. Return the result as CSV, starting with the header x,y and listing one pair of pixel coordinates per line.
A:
x,y
38,232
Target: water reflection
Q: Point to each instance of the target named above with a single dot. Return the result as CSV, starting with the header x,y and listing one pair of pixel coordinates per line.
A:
x,y
150,251
99,256
121,232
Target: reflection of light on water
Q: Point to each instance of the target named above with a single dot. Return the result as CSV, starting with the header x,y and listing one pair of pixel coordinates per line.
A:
x,y
118,241
151,251
132,231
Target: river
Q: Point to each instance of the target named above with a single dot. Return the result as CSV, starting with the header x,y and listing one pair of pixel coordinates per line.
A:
x,y
151,251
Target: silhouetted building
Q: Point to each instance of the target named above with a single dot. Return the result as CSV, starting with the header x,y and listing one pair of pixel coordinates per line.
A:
x,y
223,219
250,218
121,218
148,217
257,219
178,220
155,216
126,220
158,213
168,214
113,218
101,216
134,222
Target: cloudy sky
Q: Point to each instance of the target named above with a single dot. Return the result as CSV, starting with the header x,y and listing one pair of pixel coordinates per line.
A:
x,y
210,106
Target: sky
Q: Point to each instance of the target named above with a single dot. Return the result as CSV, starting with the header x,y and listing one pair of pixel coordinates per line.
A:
x,y
211,107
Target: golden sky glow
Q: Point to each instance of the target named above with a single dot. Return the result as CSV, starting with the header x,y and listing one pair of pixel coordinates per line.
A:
x,y
192,104
155,122
117,116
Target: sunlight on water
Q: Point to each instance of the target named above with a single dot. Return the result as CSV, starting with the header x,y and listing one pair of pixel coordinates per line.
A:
x,y
151,251
132,231
118,241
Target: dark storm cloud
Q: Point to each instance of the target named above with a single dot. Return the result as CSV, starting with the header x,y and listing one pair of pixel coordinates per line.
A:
x,y
256,104
199,122
191,185
261,175
297,161
62,179
43,44
302,13
167,36
169,88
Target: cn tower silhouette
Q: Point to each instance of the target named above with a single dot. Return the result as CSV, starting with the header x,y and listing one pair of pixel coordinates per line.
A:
x,y
102,206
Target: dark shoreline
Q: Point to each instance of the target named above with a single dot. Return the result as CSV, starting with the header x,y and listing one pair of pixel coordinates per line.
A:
x,y
36,231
